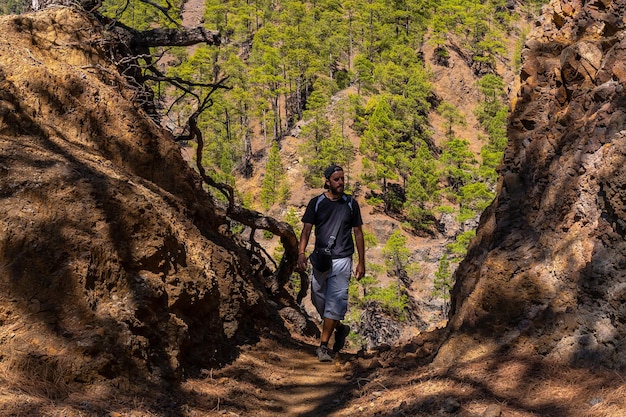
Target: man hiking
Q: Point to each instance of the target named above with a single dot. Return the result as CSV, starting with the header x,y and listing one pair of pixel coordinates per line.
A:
x,y
336,217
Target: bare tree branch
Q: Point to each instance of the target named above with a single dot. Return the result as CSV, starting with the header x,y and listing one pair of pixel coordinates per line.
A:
x,y
176,37
131,47
250,218
164,10
287,236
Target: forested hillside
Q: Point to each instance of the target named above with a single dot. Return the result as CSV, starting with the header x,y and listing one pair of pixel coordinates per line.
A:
x,y
286,62
13,6
299,85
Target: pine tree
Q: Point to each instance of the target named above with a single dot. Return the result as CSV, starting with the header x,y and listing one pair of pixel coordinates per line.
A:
x,y
443,282
396,253
272,188
452,117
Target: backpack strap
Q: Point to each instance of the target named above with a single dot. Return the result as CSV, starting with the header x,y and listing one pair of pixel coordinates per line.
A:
x,y
319,200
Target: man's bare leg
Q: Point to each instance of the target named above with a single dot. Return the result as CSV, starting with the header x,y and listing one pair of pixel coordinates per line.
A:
x,y
327,329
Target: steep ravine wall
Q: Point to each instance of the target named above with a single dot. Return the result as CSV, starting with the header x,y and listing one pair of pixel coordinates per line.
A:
x,y
111,252
546,273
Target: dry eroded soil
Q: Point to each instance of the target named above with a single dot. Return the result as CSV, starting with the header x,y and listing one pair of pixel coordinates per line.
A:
x,y
283,378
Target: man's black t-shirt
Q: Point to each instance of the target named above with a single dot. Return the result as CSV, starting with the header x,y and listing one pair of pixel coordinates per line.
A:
x,y
324,214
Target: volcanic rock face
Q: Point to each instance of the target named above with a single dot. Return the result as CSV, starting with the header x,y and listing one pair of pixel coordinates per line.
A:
x,y
110,251
547,271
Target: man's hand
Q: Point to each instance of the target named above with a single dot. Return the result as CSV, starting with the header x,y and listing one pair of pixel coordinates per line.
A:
x,y
302,259
360,271
304,241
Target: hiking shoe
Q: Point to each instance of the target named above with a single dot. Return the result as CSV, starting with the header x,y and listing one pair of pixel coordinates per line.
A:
x,y
323,354
341,332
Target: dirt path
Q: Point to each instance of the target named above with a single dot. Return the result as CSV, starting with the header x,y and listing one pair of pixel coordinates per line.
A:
x,y
285,379
273,379
192,12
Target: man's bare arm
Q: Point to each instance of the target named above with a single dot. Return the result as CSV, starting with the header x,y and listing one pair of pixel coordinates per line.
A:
x,y
304,241
360,247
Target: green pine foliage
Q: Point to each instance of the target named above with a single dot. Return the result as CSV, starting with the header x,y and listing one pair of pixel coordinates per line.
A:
x,y
273,187
13,6
480,26
370,240
422,187
443,280
476,196
452,116
293,219
286,60
393,300
458,248
142,15
331,67
459,163
397,255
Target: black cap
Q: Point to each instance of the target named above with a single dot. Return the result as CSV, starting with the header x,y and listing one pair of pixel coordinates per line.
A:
x,y
332,169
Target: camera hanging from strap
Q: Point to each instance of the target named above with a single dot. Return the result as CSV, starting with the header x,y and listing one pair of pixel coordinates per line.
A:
x,y
321,258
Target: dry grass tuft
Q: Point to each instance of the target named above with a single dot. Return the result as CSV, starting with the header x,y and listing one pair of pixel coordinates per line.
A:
x,y
37,374
519,386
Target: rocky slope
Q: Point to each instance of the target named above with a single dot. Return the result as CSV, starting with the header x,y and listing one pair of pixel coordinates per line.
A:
x,y
111,253
546,274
